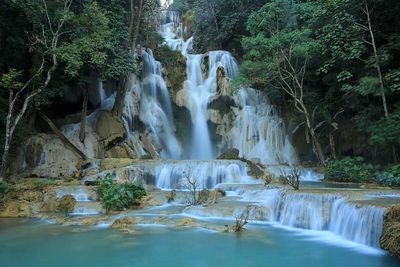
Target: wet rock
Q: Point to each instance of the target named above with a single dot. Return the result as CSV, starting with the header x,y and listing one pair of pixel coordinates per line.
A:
x,y
231,153
66,204
390,238
123,223
19,208
204,196
171,195
187,221
151,147
115,163
118,151
109,128
216,194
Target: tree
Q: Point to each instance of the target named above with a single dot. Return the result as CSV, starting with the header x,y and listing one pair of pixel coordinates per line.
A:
x,y
279,50
43,42
143,16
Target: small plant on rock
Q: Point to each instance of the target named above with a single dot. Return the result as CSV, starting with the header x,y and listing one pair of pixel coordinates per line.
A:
x,y
241,220
293,178
118,196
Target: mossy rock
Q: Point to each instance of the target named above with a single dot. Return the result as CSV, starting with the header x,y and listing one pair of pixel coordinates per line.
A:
x,y
123,223
232,154
390,238
66,204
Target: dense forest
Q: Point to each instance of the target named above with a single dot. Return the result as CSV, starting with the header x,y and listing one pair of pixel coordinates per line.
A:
x,y
331,66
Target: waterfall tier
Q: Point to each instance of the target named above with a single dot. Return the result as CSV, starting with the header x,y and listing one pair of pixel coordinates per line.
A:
x,y
311,211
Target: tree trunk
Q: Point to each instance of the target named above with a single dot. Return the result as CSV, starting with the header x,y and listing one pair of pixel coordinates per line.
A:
x,y
314,139
84,114
6,151
332,145
62,137
118,108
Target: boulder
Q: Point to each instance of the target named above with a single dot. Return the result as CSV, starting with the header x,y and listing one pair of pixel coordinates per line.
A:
x,y
204,196
109,128
390,238
118,151
123,223
18,208
187,221
231,153
66,204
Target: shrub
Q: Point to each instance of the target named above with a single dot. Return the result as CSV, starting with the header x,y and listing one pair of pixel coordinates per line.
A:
x,y
4,187
118,196
389,177
353,170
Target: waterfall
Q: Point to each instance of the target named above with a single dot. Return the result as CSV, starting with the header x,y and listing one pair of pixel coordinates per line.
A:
x,y
172,29
310,211
258,132
319,212
207,174
149,100
199,90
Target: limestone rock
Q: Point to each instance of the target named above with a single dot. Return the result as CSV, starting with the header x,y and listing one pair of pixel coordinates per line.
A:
x,y
66,204
19,208
109,128
115,163
232,153
123,223
187,221
204,195
150,147
118,151
390,238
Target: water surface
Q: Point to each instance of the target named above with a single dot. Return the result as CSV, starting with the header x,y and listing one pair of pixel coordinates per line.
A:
x,y
34,244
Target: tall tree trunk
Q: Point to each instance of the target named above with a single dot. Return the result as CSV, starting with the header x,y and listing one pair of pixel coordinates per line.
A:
x,y
332,145
84,114
62,137
317,149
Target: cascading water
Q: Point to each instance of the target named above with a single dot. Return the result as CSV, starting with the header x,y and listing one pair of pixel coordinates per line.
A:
x,y
199,91
149,100
155,107
258,132
208,174
310,211
172,29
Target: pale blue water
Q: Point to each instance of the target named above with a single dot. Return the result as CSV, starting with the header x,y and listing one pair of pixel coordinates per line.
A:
x,y
26,243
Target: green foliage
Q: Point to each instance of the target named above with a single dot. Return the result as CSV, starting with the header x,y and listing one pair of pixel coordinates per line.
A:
x,y
115,196
4,187
147,156
385,131
11,80
175,73
353,170
389,177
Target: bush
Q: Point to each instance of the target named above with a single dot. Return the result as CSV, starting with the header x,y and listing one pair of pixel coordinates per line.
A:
x,y
115,196
353,170
4,187
389,177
